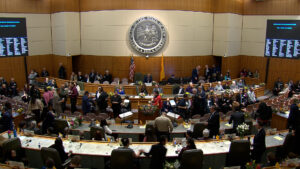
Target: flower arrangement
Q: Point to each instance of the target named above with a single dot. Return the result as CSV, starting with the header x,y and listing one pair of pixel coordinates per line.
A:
x,y
20,110
142,95
79,120
252,165
242,129
73,123
262,84
148,110
172,165
140,83
110,94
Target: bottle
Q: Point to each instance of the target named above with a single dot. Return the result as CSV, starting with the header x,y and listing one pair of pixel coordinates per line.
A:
x,y
39,145
9,134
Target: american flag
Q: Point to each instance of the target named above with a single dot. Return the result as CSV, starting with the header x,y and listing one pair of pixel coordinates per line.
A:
x,y
131,69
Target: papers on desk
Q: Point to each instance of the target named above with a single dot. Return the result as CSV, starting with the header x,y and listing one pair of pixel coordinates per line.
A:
x,y
187,126
173,115
148,84
136,97
148,97
287,112
172,102
124,115
278,138
228,125
143,127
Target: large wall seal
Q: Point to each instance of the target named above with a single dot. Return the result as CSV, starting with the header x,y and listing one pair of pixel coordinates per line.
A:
x,y
147,35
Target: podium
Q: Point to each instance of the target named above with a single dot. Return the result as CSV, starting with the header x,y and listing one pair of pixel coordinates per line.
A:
x,y
147,112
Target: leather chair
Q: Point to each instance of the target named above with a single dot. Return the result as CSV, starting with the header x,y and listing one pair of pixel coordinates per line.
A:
x,y
198,130
60,125
52,153
239,153
11,144
150,132
138,77
122,159
192,159
93,131
175,89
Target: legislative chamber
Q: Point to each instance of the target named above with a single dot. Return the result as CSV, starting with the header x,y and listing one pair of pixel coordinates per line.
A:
x,y
149,84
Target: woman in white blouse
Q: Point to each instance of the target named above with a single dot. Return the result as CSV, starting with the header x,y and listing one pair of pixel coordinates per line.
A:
x,y
107,130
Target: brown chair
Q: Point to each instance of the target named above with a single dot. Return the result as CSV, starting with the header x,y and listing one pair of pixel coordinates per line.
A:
x,y
122,159
93,131
51,153
198,130
61,125
11,144
192,159
239,153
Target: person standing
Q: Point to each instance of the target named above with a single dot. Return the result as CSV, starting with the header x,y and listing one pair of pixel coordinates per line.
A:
x,y
237,117
101,99
213,122
158,154
61,71
163,125
259,143
195,74
35,107
7,119
294,116
157,100
63,97
86,105
73,97
116,101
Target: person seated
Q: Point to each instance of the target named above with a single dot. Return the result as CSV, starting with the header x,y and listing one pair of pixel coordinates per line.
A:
x,y
157,88
210,88
271,160
227,76
233,86
107,77
4,90
126,105
244,73
167,107
52,83
125,145
251,96
190,145
49,164
73,77
12,87
172,79
148,78
240,84
220,77
213,78
181,90
143,89
226,86
278,87
256,74
92,76
58,145
49,119
86,78
250,74
104,125
242,98
2,81
219,87
75,162
50,132
120,90
189,89
98,77
44,72
80,77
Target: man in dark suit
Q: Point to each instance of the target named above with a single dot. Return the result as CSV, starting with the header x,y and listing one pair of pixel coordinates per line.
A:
x,y
181,90
107,77
116,101
237,117
294,117
86,103
278,87
61,71
206,72
158,154
195,74
172,80
92,76
148,78
7,119
101,99
213,123
259,143
44,73
183,107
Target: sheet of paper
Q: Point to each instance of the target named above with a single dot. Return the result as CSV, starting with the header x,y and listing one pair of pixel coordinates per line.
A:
x,y
278,138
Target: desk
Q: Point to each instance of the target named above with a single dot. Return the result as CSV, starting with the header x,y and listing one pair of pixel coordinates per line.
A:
x,y
279,121
94,152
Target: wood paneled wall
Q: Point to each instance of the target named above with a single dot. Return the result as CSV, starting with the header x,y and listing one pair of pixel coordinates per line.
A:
x,y
286,69
13,67
231,64
65,60
25,6
253,63
38,62
228,6
65,6
119,66
272,7
186,5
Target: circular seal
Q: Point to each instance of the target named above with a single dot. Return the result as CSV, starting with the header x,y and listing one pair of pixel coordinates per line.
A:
x,y
147,35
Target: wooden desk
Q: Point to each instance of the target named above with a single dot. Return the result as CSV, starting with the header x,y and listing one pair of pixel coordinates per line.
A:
x,y
279,121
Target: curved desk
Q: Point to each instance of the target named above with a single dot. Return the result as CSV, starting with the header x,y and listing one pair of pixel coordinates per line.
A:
x,y
94,153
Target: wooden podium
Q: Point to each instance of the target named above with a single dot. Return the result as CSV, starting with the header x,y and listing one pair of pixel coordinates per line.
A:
x,y
147,112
